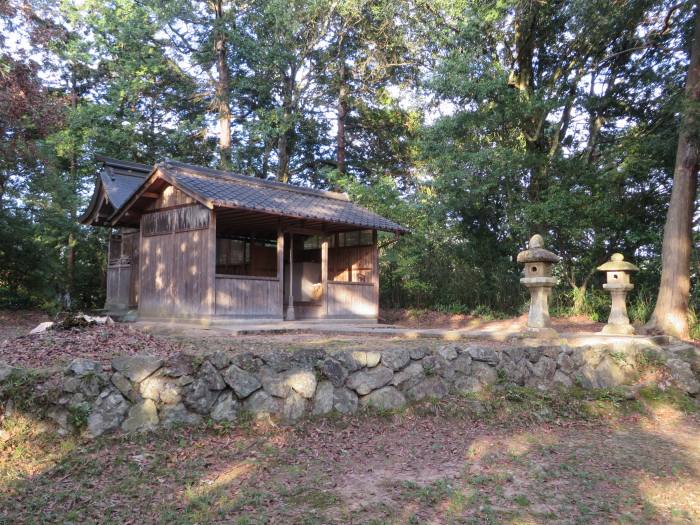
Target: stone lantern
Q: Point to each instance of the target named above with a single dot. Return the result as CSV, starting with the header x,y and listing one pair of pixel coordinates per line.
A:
x,y
618,284
539,280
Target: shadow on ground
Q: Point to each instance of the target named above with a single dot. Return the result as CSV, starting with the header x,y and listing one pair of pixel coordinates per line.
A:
x,y
419,466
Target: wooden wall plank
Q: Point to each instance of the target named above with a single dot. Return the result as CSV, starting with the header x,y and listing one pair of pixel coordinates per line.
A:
x,y
248,297
348,263
347,300
171,196
183,218
122,270
177,273
118,286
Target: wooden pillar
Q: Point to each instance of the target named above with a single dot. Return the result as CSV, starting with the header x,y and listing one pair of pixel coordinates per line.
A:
x,y
106,275
290,306
210,295
280,267
324,273
375,272
140,269
135,274
109,245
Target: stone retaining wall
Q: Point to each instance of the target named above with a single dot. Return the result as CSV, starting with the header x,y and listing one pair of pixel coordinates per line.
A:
x,y
143,392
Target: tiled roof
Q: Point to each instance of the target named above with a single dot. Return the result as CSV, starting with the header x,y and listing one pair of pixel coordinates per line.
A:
x,y
115,184
225,189
121,183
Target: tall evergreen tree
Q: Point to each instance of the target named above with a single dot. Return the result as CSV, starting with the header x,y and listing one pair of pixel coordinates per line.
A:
x,y
671,310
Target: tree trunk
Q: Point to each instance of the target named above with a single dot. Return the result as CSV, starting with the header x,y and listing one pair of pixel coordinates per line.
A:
x,y
523,79
222,88
266,159
283,158
521,76
342,112
283,143
671,310
71,241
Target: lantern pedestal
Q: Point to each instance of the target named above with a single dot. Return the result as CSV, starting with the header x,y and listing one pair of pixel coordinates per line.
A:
x,y
618,322
538,279
538,320
617,272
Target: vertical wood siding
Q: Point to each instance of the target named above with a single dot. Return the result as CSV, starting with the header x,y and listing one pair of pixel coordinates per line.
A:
x,y
351,263
118,286
189,217
130,247
171,196
177,271
122,271
351,300
360,297
248,297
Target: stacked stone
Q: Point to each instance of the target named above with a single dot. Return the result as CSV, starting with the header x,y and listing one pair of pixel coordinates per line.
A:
x,y
142,392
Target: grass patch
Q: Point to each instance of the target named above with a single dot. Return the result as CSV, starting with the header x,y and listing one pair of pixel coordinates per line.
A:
x,y
304,496
521,501
430,494
21,387
78,415
650,359
176,477
672,396
506,403
510,467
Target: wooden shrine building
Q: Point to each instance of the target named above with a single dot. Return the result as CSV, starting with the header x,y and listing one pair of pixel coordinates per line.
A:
x,y
194,242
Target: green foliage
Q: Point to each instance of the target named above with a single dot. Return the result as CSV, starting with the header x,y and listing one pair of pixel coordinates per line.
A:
x,y
694,323
641,307
431,494
650,359
671,396
78,415
594,304
473,123
20,387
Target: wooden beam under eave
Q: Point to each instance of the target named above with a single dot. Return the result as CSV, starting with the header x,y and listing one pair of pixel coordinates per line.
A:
x,y
150,195
303,231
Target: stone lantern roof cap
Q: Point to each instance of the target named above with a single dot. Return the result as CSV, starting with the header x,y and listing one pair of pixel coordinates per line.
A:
x,y
536,252
617,263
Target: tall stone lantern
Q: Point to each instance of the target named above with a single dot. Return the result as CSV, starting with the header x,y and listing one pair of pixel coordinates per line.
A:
x,y
618,284
537,277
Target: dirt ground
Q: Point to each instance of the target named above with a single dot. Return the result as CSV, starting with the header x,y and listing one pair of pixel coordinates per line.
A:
x,y
56,348
17,323
510,456
433,464
432,319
